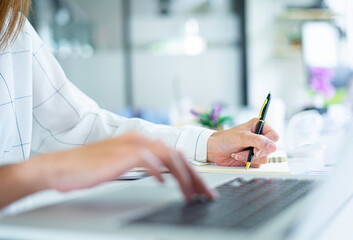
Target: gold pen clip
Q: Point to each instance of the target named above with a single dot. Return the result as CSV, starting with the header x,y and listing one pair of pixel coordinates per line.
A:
x,y
263,107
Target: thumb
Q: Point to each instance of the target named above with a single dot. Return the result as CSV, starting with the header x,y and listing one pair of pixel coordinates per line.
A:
x,y
258,141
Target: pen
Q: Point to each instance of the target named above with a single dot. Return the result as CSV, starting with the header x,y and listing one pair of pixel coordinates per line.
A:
x,y
261,123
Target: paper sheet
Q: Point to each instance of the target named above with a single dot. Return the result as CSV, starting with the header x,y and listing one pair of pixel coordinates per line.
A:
x,y
266,168
277,164
282,168
278,156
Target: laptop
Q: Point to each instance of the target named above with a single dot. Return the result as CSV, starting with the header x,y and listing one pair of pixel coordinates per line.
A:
x,y
249,207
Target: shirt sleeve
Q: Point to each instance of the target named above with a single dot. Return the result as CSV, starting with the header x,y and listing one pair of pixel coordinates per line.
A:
x,y
64,117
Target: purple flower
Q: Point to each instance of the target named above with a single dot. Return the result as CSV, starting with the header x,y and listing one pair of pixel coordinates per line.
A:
x,y
193,112
215,114
320,81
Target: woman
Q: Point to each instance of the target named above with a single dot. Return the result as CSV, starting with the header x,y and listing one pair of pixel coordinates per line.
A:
x,y
41,111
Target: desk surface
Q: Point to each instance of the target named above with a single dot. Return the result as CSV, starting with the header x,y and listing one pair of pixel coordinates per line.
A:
x,y
299,167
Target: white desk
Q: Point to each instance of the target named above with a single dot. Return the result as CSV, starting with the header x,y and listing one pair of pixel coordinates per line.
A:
x,y
298,167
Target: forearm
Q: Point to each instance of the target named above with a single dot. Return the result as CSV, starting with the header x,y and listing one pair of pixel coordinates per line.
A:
x,y
20,180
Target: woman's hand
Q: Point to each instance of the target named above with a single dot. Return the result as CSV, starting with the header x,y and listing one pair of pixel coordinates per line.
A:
x,y
228,148
90,165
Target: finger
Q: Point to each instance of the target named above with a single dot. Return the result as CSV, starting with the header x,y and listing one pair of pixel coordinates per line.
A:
x,y
156,173
198,183
170,160
201,187
261,160
229,162
167,159
240,156
232,163
243,155
257,152
255,165
269,132
178,162
259,141
153,166
253,124
187,178
236,163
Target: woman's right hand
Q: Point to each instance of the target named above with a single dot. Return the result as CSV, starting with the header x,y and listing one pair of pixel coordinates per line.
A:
x,y
96,163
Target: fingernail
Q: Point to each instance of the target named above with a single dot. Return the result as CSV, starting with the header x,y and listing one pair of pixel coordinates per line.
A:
x,y
258,153
233,155
240,157
270,146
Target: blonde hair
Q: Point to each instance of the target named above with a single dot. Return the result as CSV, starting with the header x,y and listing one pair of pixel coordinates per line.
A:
x,y
13,15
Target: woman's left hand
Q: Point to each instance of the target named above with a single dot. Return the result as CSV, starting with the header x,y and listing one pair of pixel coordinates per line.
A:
x,y
229,147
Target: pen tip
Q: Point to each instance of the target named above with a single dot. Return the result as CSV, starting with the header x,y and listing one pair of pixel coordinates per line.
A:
x,y
247,165
270,92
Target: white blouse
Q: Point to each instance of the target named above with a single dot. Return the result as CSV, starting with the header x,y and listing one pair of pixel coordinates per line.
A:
x,y
42,111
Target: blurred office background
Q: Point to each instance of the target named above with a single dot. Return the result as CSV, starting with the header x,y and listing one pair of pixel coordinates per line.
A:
x,y
154,58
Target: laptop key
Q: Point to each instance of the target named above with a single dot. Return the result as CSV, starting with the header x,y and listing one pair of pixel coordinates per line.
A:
x,y
242,204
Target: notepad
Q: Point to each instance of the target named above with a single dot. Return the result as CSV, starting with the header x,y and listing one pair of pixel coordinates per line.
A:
x,y
277,164
278,157
281,167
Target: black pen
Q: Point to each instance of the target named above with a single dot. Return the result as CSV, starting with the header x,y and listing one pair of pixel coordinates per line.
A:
x,y
259,126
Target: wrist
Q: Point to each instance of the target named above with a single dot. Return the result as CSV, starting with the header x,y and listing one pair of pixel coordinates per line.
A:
x,y
210,146
38,173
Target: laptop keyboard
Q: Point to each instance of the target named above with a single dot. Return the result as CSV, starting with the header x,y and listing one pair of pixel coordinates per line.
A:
x,y
242,204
